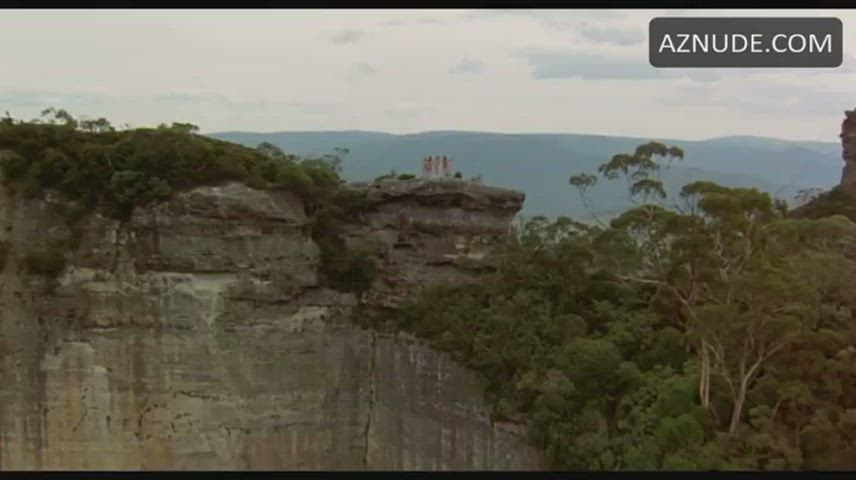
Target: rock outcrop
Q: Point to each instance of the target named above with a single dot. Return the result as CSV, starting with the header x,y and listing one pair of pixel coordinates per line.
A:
x,y
197,336
430,232
848,153
841,199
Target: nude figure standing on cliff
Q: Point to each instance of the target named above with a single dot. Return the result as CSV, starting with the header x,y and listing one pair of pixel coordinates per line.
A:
x,y
426,166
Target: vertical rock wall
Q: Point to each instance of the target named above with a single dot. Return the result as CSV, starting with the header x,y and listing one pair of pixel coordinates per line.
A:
x,y
197,336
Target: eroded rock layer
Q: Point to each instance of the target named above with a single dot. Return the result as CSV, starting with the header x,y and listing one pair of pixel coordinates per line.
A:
x,y
196,335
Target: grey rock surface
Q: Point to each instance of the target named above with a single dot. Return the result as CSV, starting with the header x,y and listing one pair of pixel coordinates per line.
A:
x,y
197,335
848,153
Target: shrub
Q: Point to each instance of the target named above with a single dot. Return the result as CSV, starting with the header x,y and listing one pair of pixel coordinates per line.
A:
x,y
348,270
387,176
834,202
350,202
92,162
341,268
294,178
406,176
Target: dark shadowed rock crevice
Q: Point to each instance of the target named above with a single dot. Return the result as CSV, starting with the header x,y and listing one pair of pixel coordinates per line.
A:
x,y
371,397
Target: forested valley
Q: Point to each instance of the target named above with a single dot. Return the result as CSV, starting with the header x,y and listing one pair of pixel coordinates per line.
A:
x,y
713,333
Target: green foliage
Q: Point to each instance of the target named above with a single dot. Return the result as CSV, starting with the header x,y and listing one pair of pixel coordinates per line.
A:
x,y
348,270
837,201
100,125
555,342
270,150
713,335
387,176
92,162
340,267
394,175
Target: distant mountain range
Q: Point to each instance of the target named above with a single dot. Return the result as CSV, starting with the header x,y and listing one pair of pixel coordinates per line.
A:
x,y
541,164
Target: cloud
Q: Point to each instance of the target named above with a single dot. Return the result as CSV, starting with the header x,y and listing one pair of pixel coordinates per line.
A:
x,y
848,65
589,66
762,97
467,65
684,95
614,36
347,37
564,21
319,107
363,69
555,18
399,22
409,111
190,97
43,99
697,74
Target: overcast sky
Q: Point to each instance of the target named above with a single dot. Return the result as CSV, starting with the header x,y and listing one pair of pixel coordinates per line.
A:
x,y
404,71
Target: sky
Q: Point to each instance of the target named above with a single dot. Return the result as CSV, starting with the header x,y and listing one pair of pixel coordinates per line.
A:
x,y
405,71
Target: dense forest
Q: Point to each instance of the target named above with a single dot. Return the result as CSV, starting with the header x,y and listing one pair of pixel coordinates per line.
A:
x,y
714,333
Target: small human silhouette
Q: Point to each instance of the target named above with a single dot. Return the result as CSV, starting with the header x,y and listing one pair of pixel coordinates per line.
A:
x,y
446,169
437,166
426,166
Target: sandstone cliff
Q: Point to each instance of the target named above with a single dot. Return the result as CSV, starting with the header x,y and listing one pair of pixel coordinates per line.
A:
x,y
841,199
848,153
196,335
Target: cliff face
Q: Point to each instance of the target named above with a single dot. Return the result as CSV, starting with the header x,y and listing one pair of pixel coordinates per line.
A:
x,y
848,142
429,232
196,335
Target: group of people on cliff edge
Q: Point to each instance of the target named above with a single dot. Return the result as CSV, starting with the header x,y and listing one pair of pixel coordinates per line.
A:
x,y
431,165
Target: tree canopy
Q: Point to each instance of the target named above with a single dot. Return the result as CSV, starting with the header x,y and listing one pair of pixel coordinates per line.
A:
x,y
714,332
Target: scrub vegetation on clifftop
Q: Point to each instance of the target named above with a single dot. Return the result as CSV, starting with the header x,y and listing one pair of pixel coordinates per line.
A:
x,y
95,163
98,166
